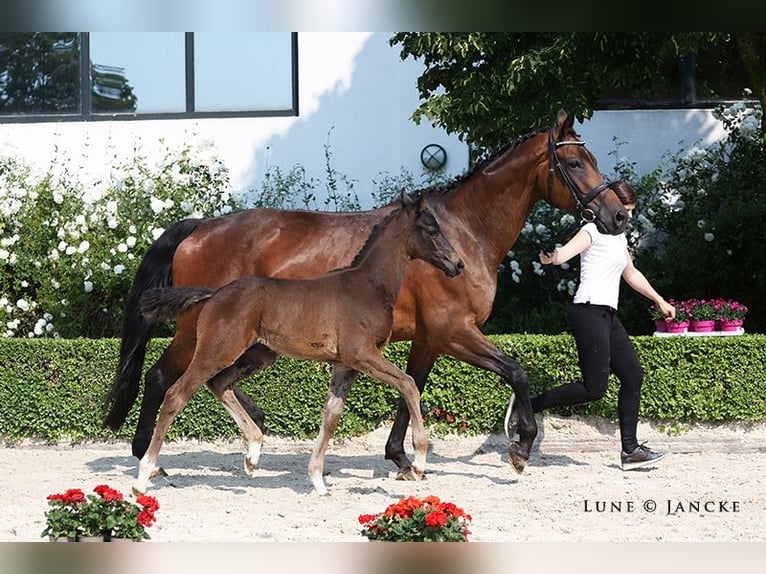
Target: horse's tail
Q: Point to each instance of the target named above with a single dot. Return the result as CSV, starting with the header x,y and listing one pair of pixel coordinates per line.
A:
x,y
169,302
155,271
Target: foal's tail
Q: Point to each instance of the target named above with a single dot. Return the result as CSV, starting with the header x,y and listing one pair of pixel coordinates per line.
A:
x,y
155,271
167,303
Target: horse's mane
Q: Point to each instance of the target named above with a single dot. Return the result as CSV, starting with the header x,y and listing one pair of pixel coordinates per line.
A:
x,y
376,231
480,164
454,183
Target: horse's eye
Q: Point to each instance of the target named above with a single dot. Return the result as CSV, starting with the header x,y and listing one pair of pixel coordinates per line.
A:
x,y
574,163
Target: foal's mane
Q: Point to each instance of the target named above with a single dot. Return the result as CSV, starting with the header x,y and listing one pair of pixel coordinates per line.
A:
x,y
376,231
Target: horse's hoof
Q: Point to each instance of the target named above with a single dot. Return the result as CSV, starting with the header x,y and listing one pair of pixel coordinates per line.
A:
x,y
518,460
158,471
249,468
409,474
137,491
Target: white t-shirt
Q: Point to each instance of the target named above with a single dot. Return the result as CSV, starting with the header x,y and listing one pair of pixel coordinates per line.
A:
x,y
601,267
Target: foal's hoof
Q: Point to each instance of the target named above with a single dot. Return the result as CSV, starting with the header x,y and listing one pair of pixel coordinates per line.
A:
x,y
409,473
249,467
517,458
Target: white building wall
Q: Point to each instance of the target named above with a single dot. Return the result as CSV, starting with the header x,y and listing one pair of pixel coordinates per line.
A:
x,y
356,95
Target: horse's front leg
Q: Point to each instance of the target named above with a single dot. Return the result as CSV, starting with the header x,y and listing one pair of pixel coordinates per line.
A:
x,y
374,364
342,379
475,349
419,365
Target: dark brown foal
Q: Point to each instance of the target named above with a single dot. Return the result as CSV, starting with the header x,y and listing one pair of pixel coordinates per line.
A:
x,y
344,316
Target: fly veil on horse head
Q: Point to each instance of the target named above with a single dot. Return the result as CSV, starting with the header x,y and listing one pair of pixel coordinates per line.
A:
x,y
344,317
483,211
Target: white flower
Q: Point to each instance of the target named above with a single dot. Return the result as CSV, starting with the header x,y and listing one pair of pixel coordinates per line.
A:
x,y
156,232
709,237
118,269
22,304
71,249
84,246
88,286
5,254
701,223
131,242
58,198
122,248
157,205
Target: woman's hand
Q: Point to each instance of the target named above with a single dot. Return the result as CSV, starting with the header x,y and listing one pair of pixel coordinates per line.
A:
x,y
667,309
546,257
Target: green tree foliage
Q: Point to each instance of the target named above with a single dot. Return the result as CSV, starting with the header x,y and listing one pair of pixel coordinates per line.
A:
x,y
490,87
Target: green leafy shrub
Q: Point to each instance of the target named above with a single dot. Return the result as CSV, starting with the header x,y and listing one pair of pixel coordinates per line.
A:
x,y
51,389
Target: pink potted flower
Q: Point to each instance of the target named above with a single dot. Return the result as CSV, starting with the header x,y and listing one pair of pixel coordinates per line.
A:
x,y
732,314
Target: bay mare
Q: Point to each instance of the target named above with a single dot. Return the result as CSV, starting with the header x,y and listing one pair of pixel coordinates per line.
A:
x,y
344,316
482,213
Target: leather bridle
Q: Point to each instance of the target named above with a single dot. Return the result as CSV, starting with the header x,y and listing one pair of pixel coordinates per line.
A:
x,y
581,200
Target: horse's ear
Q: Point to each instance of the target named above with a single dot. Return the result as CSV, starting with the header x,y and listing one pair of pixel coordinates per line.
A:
x,y
564,122
407,199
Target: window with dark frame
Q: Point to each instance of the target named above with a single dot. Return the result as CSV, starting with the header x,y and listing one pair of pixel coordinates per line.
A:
x,y
151,75
702,80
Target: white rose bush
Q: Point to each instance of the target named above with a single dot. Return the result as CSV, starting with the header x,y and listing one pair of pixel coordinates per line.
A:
x,y
69,250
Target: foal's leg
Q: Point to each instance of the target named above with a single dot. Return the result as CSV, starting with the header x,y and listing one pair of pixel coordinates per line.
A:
x,y
375,365
256,358
175,400
342,379
419,365
174,361
253,360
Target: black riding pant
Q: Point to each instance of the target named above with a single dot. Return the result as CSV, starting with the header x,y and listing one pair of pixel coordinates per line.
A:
x,y
602,346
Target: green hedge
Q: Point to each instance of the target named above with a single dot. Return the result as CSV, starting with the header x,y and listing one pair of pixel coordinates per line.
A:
x,y
52,389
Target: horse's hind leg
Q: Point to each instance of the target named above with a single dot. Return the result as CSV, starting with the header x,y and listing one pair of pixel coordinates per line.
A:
x,y
342,379
256,358
159,378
